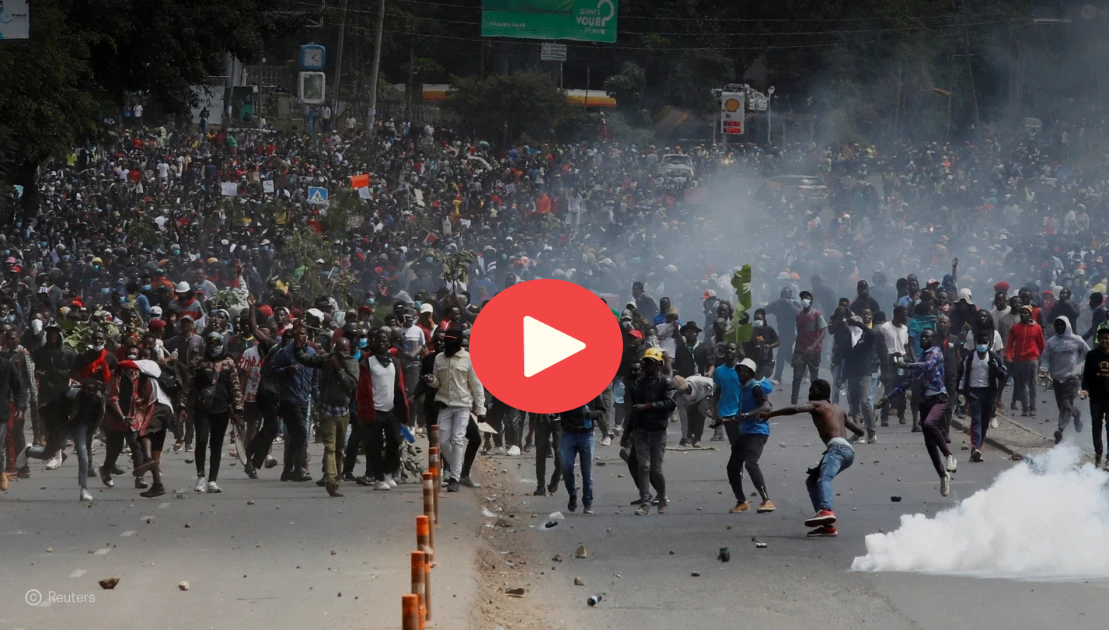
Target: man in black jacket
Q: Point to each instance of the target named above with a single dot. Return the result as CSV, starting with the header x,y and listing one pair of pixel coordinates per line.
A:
x,y
654,402
1095,385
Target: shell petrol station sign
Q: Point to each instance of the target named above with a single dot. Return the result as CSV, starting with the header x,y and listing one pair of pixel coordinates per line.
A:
x,y
732,112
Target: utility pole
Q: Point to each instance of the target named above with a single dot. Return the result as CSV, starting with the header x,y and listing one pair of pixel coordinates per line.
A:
x,y
376,68
339,65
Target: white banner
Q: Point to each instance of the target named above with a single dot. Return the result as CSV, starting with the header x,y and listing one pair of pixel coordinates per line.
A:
x,y
229,189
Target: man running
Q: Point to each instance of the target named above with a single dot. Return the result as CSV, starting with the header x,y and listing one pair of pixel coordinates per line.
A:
x,y
933,404
832,424
1063,360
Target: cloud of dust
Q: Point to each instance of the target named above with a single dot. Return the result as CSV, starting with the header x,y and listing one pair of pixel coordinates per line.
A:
x,y
1043,519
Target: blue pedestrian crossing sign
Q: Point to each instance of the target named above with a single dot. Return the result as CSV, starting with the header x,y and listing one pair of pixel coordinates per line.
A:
x,y
317,195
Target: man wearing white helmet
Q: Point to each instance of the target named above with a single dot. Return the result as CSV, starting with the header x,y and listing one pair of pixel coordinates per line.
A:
x,y
738,397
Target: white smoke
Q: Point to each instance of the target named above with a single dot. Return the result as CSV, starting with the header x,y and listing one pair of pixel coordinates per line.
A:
x,y
1044,519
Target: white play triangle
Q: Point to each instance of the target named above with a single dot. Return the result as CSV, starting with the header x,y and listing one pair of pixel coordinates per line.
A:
x,y
544,346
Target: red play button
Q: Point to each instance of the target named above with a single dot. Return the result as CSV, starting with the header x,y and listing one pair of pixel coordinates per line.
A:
x,y
546,346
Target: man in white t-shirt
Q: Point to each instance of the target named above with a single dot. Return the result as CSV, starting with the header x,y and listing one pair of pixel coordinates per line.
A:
x,y
894,337
415,348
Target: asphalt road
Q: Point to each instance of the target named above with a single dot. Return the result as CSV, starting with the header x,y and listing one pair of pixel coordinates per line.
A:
x,y
294,558
643,565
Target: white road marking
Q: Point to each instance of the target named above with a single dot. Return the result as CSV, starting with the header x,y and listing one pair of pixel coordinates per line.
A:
x,y
127,533
77,573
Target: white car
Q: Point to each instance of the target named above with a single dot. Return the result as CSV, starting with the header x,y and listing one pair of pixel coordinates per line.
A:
x,y
676,165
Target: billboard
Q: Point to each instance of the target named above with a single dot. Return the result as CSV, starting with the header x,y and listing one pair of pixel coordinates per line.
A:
x,y
580,20
732,113
15,19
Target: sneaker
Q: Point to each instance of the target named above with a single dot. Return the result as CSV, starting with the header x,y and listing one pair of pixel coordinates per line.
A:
x,y
363,481
902,420
952,464
1024,414
821,518
250,471
213,488
824,531
872,439
201,485
177,446
587,509
85,496
55,462
381,485
513,451
697,445
469,483
606,441
188,448
885,423
392,482
651,500
993,423
333,490
740,508
116,470
643,509
497,451
1058,436
1032,413
141,484
539,492
945,484
683,442
573,504
716,438
21,459
767,506
271,461
452,485
552,488
975,455
105,477
662,507
1077,424
156,490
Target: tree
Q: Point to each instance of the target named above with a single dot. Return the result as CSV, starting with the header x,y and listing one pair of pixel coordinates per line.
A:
x,y
627,87
85,58
504,108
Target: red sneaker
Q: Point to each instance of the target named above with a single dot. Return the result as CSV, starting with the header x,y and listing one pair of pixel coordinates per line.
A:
x,y
824,531
823,517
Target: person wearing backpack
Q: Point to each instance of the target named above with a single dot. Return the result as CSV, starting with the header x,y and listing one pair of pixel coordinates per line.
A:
x,y
738,397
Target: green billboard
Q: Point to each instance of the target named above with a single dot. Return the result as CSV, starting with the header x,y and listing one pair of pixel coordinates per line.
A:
x,y
581,20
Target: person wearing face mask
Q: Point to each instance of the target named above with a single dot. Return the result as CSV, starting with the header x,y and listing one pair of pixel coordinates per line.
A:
x,y
858,370
811,329
458,393
760,349
339,378
140,297
984,373
211,389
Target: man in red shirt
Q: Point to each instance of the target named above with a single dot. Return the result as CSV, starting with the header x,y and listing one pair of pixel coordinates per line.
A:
x,y
1023,348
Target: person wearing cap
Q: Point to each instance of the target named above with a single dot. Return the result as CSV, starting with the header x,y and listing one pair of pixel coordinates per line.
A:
x,y
685,366
211,389
459,393
1023,349
864,300
811,329
655,400
187,303
737,397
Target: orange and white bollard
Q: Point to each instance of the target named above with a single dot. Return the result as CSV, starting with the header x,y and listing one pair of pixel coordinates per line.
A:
x,y
427,591
419,568
433,436
410,612
423,531
429,499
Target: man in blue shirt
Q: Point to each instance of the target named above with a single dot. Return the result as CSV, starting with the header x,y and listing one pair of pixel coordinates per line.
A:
x,y
738,397
933,404
297,385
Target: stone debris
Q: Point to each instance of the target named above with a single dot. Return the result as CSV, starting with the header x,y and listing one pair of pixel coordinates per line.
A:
x,y
581,552
695,574
518,592
250,502
109,583
579,582
334,552
184,586
557,558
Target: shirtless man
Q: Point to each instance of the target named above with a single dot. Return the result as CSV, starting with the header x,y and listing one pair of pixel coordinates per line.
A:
x,y
832,425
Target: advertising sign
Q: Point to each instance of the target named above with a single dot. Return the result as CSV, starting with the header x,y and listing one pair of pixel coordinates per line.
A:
x,y
732,113
15,20
580,20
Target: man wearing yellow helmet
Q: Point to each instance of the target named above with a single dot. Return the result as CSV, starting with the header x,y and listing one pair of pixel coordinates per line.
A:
x,y
650,415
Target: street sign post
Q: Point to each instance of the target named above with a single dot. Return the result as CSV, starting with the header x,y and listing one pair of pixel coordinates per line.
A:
x,y
552,52
317,196
732,113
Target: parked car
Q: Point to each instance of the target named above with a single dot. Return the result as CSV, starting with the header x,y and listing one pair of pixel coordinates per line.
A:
x,y
676,165
810,187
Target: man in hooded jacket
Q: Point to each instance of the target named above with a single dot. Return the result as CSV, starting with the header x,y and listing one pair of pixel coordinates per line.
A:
x,y
1063,360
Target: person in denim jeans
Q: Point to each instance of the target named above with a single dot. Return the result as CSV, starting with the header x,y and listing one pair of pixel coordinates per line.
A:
x,y
577,441
832,424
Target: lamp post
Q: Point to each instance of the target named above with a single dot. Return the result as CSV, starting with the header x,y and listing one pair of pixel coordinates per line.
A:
x,y
769,125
